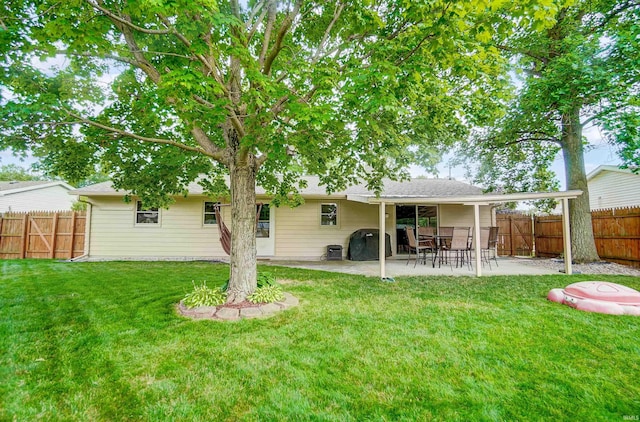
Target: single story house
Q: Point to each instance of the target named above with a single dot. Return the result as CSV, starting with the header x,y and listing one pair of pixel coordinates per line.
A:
x,y
189,230
35,196
613,187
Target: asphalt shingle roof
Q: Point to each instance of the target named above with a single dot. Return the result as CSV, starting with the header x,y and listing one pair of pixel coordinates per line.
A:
x,y
11,185
413,187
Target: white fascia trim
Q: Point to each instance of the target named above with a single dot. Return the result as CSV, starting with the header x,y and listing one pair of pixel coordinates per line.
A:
x,y
485,199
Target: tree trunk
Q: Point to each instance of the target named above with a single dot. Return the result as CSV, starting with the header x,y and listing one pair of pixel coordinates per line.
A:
x,y
243,268
583,247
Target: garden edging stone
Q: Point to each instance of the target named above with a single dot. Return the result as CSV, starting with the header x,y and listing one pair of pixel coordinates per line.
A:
x,y
227,313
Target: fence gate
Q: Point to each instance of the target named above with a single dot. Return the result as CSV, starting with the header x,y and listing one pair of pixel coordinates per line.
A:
x,y
42,235
515,234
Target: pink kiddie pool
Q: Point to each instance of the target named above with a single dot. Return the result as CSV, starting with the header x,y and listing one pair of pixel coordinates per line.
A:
x,y
599,296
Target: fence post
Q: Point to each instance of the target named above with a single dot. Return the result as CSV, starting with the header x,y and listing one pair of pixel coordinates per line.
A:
x,y
511,236
73,234
25,236
54,236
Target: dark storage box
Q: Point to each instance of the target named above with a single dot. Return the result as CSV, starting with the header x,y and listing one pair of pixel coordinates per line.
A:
x,y
334,253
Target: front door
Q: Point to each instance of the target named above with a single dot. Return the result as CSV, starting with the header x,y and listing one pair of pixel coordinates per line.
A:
x,y
265,233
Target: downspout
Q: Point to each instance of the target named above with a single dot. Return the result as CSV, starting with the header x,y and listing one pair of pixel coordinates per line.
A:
x,y
87,231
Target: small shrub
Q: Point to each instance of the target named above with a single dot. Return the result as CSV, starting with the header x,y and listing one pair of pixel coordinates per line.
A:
x,y
266,294
266,279
263,279
203,296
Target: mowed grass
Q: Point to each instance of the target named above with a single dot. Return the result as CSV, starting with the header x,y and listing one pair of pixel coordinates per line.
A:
x,y
102,341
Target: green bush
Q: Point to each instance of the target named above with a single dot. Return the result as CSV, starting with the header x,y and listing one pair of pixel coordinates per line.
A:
x,y
203,296
266,294
266,279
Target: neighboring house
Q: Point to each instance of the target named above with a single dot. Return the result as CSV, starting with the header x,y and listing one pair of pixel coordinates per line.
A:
x,y
613,187
35,196
189,230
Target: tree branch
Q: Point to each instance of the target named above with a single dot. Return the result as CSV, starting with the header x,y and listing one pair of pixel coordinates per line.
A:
x,y
126,22
284,28
251,29
524,53
617,10
144,138
526,139
271,10
325,36
211,67
87,54
414,49
126,28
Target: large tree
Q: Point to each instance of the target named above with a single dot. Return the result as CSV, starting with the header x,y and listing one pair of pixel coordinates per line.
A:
x,y
162,93
582,71
10,172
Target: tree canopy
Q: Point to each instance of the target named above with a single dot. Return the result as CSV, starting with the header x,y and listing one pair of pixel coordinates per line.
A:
x,y
586,63
162,93
10,172
582,71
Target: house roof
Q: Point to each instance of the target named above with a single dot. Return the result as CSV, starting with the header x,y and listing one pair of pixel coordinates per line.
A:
x,y
600,169
424,191
421,187
12,187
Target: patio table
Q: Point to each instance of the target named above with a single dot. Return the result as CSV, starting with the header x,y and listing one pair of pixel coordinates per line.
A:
x,y
438,242
441,242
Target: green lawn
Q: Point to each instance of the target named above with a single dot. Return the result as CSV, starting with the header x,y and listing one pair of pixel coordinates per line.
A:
x,y
101,341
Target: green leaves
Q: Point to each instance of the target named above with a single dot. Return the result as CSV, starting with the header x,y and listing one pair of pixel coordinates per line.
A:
x,y
356,89
585,63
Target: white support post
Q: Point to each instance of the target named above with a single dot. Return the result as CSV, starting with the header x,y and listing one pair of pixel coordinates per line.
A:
x,y
566,234
476,239
382,240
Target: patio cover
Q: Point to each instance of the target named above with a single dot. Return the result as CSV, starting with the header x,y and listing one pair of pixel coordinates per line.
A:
x,y
475,201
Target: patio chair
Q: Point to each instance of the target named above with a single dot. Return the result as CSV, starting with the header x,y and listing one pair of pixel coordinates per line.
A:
x,y
426,231
460,245
484,245
444,240
493,245
420,248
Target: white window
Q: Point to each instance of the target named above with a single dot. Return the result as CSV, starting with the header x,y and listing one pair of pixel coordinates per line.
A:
x,y
329,214
210,213
146,215
263,220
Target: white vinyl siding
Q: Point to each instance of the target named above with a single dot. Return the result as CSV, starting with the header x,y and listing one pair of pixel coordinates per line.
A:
x,y
181,234
52,198
300,236
613,189
296,231
462,216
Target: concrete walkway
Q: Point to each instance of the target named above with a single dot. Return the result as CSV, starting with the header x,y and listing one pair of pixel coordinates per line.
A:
x,y
398,267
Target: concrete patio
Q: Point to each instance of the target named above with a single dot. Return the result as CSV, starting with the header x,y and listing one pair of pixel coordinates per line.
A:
x,y
396,267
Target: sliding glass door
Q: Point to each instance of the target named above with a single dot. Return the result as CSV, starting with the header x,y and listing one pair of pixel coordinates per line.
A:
x,y
413,216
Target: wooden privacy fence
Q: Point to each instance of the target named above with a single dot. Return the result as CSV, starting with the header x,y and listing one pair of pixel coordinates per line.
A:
x,y
42,234
515,234
616,232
